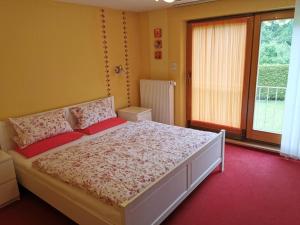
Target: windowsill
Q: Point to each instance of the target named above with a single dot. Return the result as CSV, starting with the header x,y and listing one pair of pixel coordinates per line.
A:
x,y
255,145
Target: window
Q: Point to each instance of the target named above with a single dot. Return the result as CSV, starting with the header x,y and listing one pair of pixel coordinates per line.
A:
x,y
270,66
218,52
237,72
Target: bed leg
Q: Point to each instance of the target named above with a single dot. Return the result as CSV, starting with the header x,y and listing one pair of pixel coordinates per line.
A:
x,y
223,150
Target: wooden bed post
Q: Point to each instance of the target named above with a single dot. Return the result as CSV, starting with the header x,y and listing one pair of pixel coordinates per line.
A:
x,y
223,150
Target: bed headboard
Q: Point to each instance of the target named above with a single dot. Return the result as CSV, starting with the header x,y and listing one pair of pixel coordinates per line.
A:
x,y
7,132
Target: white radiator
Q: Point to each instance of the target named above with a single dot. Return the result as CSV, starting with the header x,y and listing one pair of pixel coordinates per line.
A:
x,y
159,96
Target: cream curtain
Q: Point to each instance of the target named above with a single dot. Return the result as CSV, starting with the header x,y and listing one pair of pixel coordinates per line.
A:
x,y
290,142
218,58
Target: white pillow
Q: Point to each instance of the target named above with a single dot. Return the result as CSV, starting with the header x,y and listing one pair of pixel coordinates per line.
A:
x,y
93,112
33,128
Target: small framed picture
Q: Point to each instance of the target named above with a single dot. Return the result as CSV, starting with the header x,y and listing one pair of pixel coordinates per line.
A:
x,y
157,33
158,44
157,54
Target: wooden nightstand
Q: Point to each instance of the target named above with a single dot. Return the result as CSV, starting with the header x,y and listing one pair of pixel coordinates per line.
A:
x,y
9,191
135,113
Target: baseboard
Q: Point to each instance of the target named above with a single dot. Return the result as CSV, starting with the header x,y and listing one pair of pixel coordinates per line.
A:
x,y
258,146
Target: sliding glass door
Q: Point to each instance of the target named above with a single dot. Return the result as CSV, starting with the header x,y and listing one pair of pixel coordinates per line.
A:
x,y
237,72
270,64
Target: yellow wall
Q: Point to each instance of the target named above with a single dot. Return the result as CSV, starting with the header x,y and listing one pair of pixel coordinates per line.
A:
x,y
159,19
173,23
51,55
144,45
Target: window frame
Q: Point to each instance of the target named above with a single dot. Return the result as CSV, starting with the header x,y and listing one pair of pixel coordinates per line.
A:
x,y
245,132
258,19
231,131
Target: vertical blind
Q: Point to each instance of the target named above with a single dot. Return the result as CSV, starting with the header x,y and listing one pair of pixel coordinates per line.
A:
x,y
218,61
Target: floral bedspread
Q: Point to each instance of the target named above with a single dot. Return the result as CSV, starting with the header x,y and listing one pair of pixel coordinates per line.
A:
x,y
120,164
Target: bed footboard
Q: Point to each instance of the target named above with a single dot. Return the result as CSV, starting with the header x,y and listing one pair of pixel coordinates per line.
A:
x,y
155,204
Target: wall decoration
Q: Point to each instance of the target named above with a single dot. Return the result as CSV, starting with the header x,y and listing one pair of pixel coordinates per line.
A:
x,y
157,33
158,44
125,36
158,54
105,51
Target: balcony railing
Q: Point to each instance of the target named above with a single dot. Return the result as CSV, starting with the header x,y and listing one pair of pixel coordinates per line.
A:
x,y
269,108
269,93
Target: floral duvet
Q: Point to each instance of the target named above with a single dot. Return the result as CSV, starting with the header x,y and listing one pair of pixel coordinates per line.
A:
x,y
118,165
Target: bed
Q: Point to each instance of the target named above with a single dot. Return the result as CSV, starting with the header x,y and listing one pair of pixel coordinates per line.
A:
x,y
149,206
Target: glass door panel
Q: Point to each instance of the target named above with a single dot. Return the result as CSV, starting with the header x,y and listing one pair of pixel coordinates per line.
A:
x,y
271,57
273,67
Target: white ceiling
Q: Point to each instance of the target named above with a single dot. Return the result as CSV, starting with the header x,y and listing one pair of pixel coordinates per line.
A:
x,y
135,5
130,5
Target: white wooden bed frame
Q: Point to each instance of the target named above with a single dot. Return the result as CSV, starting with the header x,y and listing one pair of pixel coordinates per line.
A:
x,y
151,206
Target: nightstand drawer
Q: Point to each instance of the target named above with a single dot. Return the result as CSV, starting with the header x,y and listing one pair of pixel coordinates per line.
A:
x,y
8,192
144,116
7,171
134,113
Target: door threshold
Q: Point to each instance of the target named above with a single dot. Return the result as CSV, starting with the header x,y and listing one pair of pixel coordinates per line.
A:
x,y
255,145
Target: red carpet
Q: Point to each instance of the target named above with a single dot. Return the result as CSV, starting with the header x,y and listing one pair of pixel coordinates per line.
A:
x,y
256,189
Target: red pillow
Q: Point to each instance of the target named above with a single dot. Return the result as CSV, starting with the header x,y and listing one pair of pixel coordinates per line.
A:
x,y
103,125
48,143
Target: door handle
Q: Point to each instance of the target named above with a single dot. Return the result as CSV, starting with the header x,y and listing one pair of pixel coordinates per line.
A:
x,y
189,77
